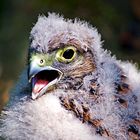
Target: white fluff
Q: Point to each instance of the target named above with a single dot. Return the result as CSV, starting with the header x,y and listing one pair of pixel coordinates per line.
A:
x,y
44,119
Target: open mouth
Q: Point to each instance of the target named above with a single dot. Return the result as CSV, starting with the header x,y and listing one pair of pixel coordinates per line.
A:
x,y
43,80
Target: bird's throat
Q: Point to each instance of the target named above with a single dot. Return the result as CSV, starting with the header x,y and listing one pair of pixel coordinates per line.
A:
x,y
38,84
43,81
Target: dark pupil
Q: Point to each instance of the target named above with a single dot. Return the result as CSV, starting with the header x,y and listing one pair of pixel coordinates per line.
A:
x,y
68,54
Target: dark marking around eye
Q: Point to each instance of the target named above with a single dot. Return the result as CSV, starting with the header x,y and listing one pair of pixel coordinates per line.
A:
x,y
68,54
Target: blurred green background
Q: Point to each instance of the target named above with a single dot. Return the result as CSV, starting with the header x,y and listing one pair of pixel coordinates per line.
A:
x,y
117,21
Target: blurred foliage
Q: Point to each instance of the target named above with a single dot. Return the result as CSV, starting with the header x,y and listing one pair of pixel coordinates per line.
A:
x,y
4,90
17,17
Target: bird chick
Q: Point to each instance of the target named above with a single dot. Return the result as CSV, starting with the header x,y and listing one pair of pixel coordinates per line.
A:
x,y
72,88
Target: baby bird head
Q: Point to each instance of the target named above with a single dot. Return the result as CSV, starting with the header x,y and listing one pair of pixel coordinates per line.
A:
x,y
62,52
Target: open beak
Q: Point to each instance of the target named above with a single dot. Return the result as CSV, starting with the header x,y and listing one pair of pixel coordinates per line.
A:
x,y
42,78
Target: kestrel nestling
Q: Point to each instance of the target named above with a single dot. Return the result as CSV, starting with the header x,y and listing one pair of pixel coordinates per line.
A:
x,y
72,89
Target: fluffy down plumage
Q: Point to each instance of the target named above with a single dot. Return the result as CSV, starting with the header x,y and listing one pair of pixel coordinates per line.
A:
x,y
98,97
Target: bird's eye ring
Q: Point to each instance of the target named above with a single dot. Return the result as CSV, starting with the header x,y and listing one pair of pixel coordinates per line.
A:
x,y
66,54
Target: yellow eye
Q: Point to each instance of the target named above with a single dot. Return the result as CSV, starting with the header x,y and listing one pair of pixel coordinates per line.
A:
x,y
66,54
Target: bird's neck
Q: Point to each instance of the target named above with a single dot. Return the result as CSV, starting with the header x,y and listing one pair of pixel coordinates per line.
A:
x,y
97,96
